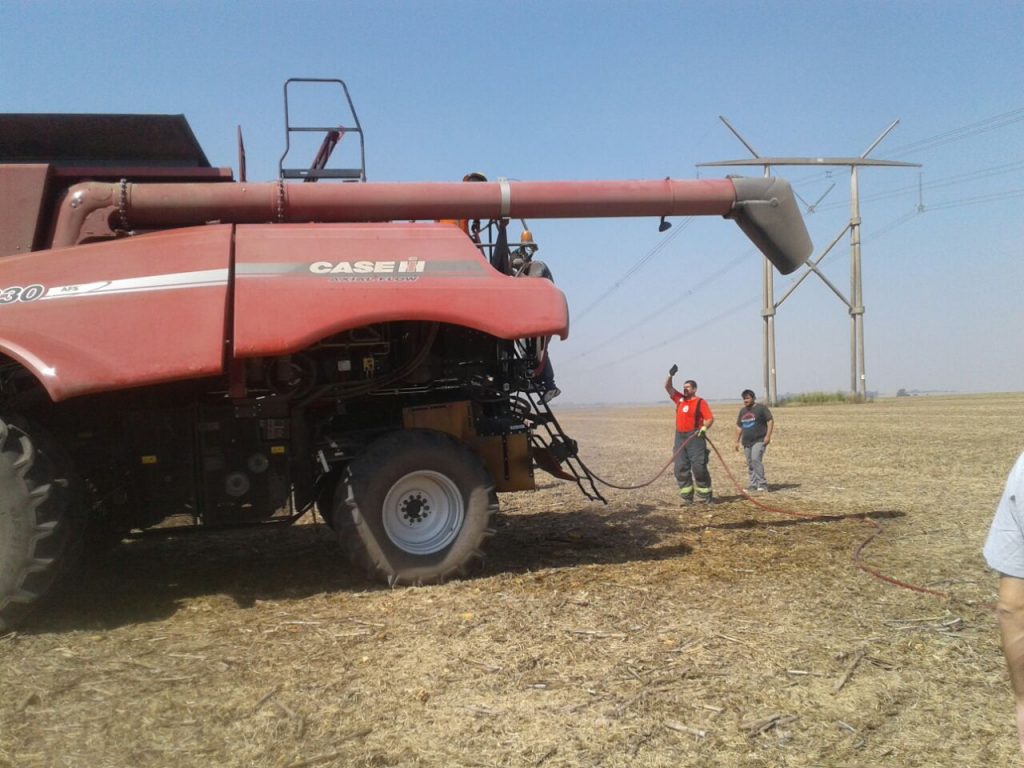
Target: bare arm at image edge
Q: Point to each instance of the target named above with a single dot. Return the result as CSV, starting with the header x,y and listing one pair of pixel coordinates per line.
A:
x,y
1011,627
1004,552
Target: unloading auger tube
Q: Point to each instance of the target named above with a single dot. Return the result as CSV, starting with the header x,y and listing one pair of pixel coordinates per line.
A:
x,y
764,208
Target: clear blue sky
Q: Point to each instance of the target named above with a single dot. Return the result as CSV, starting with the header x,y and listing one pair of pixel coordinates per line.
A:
x,y
593,90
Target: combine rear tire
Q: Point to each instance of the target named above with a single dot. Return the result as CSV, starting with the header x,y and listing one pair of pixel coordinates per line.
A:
x,y
36,521
415,508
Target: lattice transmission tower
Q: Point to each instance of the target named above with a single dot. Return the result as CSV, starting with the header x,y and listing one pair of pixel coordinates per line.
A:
x,y
855,301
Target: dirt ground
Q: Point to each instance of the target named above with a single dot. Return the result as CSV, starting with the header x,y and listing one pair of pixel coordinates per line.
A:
x,y
638,633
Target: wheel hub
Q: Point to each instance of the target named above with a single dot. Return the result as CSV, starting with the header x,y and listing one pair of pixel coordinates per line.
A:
x,y
415,508
423,512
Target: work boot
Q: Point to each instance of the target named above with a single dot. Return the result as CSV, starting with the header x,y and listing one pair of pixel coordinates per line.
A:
x,y
550,395
685,498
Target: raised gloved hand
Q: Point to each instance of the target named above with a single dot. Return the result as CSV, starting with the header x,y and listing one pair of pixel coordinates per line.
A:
x,y
673,370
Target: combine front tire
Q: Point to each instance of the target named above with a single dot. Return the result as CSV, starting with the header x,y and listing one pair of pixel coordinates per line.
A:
x,y
416,507
35,518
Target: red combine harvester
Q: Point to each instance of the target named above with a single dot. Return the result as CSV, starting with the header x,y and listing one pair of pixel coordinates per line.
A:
x,y
179,346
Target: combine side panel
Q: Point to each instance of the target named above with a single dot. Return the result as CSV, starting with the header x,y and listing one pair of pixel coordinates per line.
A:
x,y
23,196
297,284
120,314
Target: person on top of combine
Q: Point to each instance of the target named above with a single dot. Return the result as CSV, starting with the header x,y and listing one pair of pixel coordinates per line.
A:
x,y
471,228
524,265
519,263
693,419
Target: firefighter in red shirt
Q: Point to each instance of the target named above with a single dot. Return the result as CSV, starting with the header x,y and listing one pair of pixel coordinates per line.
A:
x,y
693,419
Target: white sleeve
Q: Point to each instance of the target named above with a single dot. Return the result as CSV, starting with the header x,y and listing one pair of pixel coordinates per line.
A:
x,y
1004,548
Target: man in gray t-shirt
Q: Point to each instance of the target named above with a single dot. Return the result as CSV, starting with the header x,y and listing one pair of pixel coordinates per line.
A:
x,y
754,425
1004,551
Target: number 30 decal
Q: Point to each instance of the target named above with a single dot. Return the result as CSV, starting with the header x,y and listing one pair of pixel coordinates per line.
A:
x,y
17,293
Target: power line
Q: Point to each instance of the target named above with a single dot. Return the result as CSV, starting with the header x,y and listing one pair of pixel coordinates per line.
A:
x,y
995,122
963,132
944,206
665,307
886,228
975,200
984,173
635,268
676,335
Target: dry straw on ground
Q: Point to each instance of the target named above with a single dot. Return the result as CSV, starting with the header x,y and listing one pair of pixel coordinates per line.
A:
x,y
637,633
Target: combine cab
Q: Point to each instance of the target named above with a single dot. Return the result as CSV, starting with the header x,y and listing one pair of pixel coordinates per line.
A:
x,y
177,347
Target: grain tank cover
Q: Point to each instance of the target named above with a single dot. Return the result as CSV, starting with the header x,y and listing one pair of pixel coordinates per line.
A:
x,y
122,141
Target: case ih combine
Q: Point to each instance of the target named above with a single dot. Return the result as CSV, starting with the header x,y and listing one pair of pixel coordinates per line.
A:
x,y
176,345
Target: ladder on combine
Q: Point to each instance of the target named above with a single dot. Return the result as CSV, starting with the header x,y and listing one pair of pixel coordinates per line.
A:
x,y
333,134
554,451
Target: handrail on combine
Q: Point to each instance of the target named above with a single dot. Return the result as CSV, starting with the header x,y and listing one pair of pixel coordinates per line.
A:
x,y
332,135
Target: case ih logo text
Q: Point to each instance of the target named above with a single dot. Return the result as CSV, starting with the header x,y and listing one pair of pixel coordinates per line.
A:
x,y
408,266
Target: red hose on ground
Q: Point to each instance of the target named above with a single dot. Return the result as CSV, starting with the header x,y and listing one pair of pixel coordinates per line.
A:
x,y
855,558
642,485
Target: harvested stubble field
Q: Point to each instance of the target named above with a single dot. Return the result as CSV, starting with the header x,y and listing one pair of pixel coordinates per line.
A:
x,y
637,633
